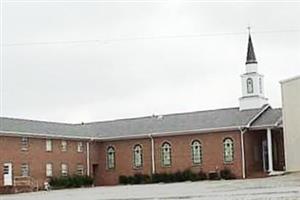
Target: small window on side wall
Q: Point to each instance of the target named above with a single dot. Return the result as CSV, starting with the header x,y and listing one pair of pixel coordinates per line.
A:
x,y
79,146
228,150
64,145
49,169
111,158
80,170
196,152
137,156
24,143
64,169
166,154
24,170
48,145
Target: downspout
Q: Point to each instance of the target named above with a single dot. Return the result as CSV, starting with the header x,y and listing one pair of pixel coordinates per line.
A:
x,y
88,158
243,152
152,153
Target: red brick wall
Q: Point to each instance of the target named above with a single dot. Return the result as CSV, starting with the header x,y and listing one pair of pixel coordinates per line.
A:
x,y
212,147
278,150
124,160
37,157
253,152
212,152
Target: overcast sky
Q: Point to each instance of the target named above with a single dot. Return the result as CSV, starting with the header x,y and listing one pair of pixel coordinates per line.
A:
x,y
151,57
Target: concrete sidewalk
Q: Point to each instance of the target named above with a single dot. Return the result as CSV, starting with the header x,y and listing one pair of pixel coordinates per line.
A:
x,y
280,187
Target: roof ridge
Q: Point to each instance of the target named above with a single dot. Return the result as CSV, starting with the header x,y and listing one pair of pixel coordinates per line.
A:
x,y
169,114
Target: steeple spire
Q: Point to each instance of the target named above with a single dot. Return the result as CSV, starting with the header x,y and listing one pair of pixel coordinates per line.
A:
x,y
250,53
253,96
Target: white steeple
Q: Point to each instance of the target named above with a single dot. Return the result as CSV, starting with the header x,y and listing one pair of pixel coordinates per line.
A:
x,y
252,83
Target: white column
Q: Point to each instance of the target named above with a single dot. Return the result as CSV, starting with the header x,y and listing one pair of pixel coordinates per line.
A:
x,y
270,150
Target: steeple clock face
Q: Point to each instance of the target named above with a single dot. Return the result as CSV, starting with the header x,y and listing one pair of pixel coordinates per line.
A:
x,y
249,85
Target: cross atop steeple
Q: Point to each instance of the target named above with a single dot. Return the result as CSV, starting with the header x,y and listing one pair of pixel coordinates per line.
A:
x,y
250,52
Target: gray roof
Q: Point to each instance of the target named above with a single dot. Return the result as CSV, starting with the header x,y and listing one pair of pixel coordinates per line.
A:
x,y
180,122
269,118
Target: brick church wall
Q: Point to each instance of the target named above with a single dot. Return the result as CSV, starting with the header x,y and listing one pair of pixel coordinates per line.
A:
x,y
212,148
36,157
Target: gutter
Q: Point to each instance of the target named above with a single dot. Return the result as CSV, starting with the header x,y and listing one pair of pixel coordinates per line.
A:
x,y
191,131
172,133
40,135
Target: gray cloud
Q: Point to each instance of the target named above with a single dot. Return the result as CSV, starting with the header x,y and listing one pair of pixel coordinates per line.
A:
x,y
128,78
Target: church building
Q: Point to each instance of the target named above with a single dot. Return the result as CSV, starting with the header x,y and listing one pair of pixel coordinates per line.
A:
x,y
247,139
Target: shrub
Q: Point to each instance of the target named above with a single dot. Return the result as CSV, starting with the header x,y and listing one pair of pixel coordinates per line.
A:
x,y
227,174
135,179
202,176
213,176
186,175
178,177
156,178
141,179
123,180
70,182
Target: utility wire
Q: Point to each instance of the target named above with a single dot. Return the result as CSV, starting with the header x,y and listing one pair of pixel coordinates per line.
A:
x,y
107,41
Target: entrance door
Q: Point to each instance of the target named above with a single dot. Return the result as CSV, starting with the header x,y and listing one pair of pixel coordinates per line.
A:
x,y
7,174
265,155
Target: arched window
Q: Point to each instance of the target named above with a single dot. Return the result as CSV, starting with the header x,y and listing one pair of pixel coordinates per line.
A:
x,y
196,152
111,158
228,150
249,85
166,154
138,156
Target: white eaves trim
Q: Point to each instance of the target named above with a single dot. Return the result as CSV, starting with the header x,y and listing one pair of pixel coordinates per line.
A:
x,y
289,79
257,116
171,133
40,135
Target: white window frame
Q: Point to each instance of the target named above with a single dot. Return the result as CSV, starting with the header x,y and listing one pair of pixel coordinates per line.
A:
x,y
79,147
228,145
111,158
196,149
64,169
24,143
24,169
49,169
48,145
80,169
64,145
138,156
166,154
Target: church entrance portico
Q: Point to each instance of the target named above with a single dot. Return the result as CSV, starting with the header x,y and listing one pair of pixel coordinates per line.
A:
x,y
264,152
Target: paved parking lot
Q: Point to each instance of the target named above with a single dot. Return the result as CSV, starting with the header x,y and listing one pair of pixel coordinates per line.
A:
x,y
280,187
